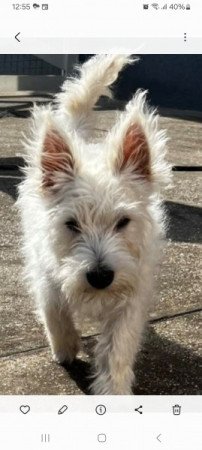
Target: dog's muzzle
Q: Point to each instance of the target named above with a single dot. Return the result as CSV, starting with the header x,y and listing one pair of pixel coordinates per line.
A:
x,y
100,277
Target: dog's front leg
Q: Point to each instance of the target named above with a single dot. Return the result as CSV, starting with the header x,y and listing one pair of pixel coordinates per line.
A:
x,y
60,330
116,351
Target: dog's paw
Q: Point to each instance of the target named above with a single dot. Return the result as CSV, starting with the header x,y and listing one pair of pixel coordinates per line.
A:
x,y
66,353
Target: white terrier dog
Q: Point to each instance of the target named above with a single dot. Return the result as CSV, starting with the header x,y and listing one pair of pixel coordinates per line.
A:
x,y
92,221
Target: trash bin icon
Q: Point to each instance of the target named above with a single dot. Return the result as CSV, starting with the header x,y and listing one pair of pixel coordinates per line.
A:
x,y
176,410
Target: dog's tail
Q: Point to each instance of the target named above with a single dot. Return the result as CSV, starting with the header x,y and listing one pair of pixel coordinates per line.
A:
x,y
79,95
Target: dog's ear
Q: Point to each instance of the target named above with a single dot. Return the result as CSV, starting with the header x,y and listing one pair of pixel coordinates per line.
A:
x,y
57,161
136,146
134,152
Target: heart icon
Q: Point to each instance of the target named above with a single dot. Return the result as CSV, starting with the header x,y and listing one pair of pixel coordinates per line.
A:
x,y
24,409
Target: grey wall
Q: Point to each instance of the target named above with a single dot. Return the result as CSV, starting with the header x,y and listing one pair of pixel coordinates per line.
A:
x,y
26,65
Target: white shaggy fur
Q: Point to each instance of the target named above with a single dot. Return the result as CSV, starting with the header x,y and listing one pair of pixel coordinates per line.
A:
x,y
96,186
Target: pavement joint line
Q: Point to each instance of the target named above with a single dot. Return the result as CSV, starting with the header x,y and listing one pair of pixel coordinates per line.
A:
x,y
41,347
170,317
21,352
14,177
11,178
83,338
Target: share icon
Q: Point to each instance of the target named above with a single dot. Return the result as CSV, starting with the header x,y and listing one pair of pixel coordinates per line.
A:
x,y
139,409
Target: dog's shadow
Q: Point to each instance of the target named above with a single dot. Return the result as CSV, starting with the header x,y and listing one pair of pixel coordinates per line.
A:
x,y
163,367
80,370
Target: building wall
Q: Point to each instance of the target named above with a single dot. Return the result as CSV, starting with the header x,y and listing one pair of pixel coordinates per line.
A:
x,y
26,65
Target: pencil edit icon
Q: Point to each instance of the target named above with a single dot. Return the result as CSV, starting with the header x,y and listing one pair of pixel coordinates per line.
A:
x,y
63,409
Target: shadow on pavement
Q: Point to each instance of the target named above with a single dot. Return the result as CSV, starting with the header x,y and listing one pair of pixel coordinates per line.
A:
x,y
9,186
162,368
184,222
80,372
12,163
21,105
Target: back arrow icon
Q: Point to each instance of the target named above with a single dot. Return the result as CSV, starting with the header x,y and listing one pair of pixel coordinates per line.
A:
x,y
16,37
158,438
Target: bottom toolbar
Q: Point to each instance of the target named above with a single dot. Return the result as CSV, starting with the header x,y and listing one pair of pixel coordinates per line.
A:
x,y
91,422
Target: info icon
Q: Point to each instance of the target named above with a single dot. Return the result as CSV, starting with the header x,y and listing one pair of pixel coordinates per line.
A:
x,y
176,410
100,410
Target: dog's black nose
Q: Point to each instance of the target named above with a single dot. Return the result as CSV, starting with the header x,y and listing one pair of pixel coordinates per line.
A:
x,y
100,277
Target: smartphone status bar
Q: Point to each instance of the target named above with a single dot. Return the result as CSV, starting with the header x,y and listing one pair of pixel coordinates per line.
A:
x,y
93,18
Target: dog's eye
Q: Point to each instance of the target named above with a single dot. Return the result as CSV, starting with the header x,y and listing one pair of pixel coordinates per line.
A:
x,y
122,223
73,225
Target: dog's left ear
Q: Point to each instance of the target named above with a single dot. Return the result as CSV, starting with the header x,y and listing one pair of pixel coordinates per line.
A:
x,y
57,161
136,146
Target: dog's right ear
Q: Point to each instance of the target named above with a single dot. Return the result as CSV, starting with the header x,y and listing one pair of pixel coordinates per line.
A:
x,y
57,161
